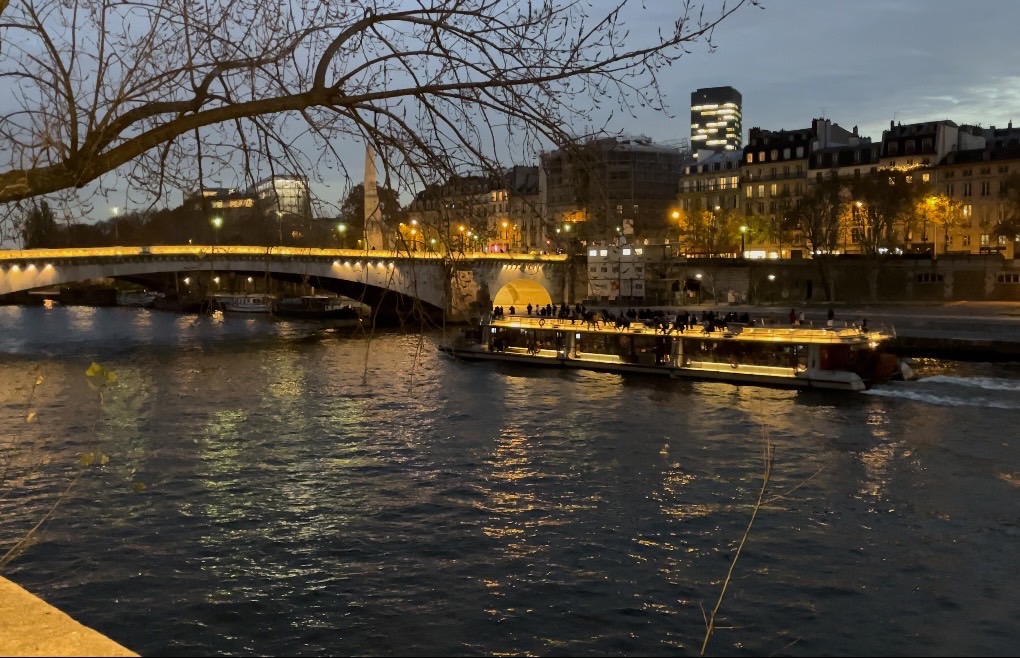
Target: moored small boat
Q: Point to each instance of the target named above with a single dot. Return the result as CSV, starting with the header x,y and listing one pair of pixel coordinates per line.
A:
x,y
846,358
316,307
243,303
141,298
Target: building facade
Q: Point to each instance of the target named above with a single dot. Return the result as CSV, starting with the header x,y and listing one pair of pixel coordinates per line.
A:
x,y
716,120
604,189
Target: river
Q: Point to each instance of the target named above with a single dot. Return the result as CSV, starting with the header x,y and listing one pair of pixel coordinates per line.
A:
x,y
280,488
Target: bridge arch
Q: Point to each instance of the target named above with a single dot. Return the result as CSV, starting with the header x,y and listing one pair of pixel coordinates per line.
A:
x,y
520,293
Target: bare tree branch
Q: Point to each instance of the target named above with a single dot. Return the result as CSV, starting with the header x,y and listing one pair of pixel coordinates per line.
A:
x,y
102,86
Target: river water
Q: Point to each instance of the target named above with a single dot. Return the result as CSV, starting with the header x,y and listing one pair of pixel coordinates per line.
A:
x,y
278,488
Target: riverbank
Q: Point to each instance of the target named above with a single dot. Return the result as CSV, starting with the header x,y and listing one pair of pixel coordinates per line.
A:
x,y
32,627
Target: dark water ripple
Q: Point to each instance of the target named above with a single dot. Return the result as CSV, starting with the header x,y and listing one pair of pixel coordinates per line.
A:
x,y
314,493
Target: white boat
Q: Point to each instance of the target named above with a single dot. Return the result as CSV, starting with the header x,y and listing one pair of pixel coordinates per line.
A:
x,y
845,358
244,303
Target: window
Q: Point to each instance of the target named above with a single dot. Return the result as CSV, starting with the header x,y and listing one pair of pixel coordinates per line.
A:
x,y
967,210
750,158
894,148
593,268
775,154
949,189
986,188
929,277
1003,240
773,189
984,239
638,251
966,240
626,252
761,191
603,253
925,178
966,189
1008,277
800,151
749,191
786,154
761,156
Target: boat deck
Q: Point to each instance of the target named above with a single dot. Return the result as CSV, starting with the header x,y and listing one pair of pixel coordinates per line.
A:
x,y
733,331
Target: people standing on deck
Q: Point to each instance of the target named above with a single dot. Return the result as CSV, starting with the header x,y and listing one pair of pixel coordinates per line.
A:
x,y
529,309
793,316
831,317
513,311
801,318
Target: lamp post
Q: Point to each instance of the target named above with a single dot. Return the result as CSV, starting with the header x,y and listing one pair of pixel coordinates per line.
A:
x,y
116,233
698,277
341,230
743,231
216,222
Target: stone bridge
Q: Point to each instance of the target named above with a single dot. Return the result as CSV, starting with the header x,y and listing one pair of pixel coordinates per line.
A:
x,y
453,287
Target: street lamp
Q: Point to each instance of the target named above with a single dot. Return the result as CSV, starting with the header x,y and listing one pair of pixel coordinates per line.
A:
x,y
341,230
216,222
743,231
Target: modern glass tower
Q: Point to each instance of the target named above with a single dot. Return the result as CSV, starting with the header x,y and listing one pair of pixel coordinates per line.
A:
x,y
715,120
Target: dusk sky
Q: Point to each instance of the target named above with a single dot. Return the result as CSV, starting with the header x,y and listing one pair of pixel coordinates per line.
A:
x,y
860,63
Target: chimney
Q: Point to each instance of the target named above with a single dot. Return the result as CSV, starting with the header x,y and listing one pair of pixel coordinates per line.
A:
x,y
855,131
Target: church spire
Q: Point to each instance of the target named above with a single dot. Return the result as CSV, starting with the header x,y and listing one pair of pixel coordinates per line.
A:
x,y
373,212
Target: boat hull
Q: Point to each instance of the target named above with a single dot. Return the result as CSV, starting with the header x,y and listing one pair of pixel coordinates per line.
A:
x,y
847,359
831,380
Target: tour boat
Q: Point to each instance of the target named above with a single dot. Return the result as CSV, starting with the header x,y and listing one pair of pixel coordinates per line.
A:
x,y
842,358
317,307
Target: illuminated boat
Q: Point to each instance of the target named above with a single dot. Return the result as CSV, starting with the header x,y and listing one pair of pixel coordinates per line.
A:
x,y
843,358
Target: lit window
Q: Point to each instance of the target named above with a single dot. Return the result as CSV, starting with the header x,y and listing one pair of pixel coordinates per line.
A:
x,y
603,252
639,251
626,252
593,252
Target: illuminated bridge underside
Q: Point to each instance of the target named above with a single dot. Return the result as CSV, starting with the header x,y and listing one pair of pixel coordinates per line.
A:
x,y
390,282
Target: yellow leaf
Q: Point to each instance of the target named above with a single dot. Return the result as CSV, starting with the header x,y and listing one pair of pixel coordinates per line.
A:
x,y
111,377
94,370
38,380
87,459
139,487
104,460
31,417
